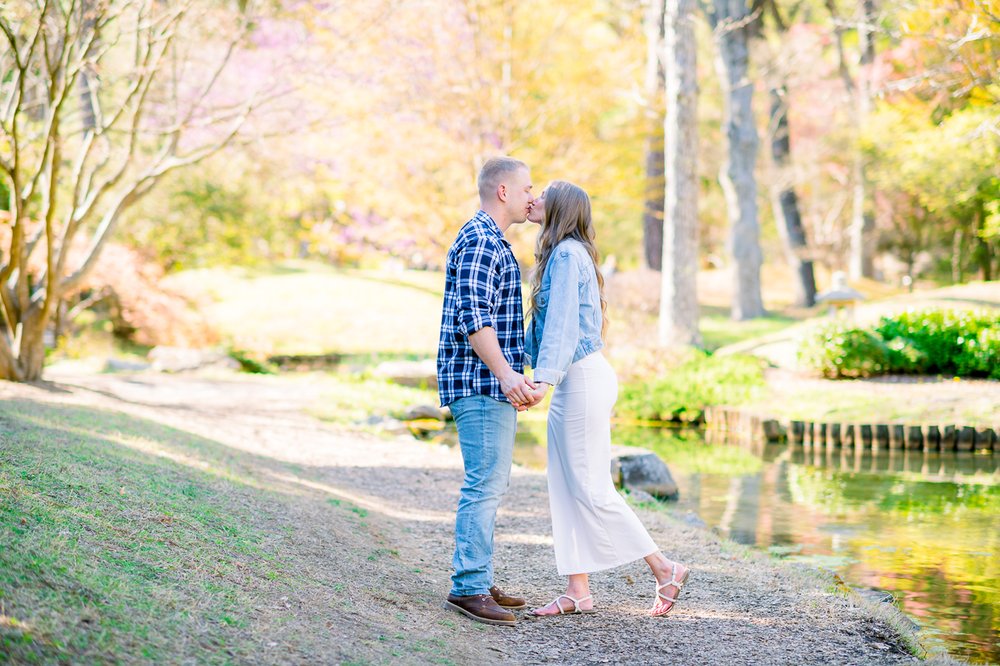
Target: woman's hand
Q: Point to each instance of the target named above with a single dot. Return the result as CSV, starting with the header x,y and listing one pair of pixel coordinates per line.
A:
x,y
538,394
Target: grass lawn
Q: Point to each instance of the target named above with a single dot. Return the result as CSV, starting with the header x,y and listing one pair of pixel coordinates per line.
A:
x,y
310,308
940,401
126,541
718,330
352,400
109,551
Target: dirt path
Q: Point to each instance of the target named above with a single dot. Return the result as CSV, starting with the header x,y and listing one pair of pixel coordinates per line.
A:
x,y
369,591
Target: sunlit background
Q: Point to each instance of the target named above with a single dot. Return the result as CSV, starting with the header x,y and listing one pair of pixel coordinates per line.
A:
x,y
277,184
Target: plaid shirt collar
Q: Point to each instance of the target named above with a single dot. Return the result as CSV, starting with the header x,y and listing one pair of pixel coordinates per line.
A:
x,y
487,221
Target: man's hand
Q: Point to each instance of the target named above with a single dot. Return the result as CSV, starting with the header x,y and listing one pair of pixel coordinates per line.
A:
x,y
518,389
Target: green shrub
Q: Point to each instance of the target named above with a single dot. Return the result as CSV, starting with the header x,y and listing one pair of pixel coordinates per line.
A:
x,y
980,356
838,351
943,336
905,358
963,343
682,392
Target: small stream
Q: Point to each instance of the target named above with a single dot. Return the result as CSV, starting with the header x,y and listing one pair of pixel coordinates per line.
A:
x,y
922,526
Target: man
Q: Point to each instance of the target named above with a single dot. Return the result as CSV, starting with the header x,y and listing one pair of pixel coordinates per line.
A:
x,y
480,364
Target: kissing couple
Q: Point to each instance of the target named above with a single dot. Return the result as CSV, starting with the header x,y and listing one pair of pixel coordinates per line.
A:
x,y
481,357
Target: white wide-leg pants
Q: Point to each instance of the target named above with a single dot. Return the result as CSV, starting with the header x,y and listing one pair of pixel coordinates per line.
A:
x,y
592,526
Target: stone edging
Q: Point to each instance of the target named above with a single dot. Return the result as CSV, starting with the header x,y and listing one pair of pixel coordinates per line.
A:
x,y
746,424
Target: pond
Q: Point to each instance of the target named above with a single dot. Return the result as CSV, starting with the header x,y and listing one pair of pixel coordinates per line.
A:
x,y
922,526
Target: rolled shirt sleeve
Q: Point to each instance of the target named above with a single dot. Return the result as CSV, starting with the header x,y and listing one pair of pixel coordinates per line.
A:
x,y
561,333
478,285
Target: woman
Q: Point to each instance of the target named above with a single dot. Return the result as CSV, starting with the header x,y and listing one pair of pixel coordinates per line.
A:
x,y
592,527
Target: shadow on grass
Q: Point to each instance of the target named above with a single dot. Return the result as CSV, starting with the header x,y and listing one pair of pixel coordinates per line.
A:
x,y
50,387
125,540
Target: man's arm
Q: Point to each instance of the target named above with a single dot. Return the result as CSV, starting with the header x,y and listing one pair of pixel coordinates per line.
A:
x,y
477,289
514,385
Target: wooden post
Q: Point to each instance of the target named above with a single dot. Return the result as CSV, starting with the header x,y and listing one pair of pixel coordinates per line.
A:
x,y
773,432
833,436
985,439
932,438
881,440
897,436
949,437
966,438
847,435
796,431
914,438
867,436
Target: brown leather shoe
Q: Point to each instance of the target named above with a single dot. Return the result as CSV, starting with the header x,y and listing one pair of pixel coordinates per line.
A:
x,y
481,608
506,600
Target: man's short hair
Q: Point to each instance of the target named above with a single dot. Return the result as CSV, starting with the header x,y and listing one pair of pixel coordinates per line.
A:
x,y
493,172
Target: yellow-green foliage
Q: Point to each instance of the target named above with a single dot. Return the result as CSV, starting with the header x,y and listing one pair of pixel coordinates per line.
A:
x,y
682,392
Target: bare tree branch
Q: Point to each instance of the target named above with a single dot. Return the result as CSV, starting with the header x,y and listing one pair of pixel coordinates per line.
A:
x,y
117,148
838,32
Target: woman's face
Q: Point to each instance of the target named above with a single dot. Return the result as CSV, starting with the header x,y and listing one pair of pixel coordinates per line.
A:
x,y
536,213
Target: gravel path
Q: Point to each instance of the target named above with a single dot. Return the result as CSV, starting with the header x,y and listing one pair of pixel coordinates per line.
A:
x,y
739,606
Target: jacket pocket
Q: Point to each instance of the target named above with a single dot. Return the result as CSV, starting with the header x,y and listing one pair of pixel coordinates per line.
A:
x,y
542,300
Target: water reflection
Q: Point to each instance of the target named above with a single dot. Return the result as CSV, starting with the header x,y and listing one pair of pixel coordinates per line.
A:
x,y
922,525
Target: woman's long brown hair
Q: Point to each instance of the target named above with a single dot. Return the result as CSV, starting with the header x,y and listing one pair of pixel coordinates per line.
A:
x,y
567,215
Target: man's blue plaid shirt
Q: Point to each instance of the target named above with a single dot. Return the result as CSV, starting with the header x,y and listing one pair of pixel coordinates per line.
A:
x,y
482,288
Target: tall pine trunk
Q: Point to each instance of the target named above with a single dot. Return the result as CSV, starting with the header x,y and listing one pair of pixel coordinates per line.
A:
x,y
679,294
730,20
652,216
785,203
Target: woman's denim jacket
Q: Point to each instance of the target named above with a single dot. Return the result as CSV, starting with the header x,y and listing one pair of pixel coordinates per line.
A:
x,y
566,324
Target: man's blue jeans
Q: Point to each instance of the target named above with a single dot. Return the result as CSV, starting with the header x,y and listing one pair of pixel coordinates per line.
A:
x,y
486,430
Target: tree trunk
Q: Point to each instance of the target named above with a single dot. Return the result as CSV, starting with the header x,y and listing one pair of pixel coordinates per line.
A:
x,y
985,260
729,21
678,294
86,193
88,110
29,347
862,223
956,256
8,367
652,217
32,358
786,205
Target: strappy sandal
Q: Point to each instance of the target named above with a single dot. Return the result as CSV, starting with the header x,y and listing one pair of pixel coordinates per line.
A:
x,y
576,607
674,582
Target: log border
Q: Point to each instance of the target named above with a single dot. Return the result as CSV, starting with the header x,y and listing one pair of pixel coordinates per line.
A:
x,y
747,424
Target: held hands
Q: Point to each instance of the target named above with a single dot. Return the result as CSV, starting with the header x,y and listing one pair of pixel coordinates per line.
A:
x,y
522,392
518,389
538,394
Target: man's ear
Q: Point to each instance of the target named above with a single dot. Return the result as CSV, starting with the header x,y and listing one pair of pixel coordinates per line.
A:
x,y
502,192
